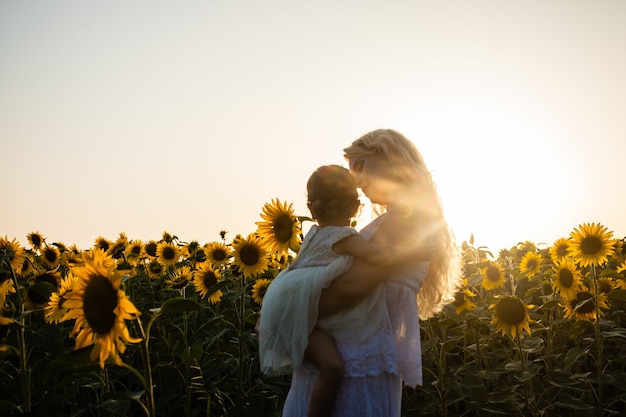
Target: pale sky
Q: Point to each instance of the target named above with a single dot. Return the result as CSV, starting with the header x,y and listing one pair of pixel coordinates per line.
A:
x,y
149,116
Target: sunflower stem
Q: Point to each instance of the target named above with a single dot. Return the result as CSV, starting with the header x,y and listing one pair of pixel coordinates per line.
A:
x,y
143,382
594,278
522,357
242,307
24,371
441,366
147,382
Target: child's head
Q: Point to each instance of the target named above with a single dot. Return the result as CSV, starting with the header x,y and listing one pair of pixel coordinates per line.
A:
x,y
332,193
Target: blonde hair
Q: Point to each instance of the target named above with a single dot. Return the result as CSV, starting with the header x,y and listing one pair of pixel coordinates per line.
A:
x,y
409,169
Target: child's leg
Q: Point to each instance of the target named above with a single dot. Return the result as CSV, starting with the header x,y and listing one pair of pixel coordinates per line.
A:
x,y
322,352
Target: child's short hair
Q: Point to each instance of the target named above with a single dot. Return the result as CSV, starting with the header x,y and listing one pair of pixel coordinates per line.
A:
x,y
332,193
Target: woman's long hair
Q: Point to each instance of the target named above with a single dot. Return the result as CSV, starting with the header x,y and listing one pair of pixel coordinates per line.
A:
x,y
443,278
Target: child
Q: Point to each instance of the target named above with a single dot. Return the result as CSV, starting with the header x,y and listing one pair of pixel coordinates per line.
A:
x,y
288,328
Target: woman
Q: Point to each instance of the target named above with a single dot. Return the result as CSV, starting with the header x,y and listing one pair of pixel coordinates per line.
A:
x,y
392,174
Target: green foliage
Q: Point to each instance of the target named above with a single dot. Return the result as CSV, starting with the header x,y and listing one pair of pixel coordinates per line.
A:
x,y
200,359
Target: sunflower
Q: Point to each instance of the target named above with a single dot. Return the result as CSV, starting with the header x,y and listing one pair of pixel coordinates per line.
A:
x,y
250,256
259,289
461,301
35,239
530,265
566,278
280,229
196,253
168,237
280,260
606,285
622,268
116,250
155,269
27,266
510,316
55,310
217,253
102,243
72,256
592,244
100,308
167,253
51,256
583,305
150,248
204,278
13,252
134,251
560,249
180,278
493,276
40,289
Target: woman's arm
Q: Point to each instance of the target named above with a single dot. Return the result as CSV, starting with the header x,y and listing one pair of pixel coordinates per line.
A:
x,y
362,278
345,291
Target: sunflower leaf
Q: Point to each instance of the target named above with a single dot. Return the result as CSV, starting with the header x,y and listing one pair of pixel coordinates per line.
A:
x,y
572,356
617,295
74,359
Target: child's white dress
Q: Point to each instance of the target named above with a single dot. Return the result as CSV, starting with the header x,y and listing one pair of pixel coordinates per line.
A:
x,y
377,367
290,305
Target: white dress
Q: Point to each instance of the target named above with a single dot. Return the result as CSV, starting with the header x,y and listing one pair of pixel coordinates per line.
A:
x,y
290,305
375,368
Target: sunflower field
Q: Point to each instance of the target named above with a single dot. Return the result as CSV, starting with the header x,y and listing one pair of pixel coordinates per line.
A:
x,y
166,327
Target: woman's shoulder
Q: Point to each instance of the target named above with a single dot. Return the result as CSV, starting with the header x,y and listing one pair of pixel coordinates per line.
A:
x,y
403,221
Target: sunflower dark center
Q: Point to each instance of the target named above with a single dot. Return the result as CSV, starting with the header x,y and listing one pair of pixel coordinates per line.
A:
x,y
604,287
104,245
179,282
583,303
99,303
155,267
219,255
532,264
25,265
50,255
47,278
561,250
493,273
151,249
511,311
249,255
566,278
36,240
169,253
117,250
209,279
135,250
283,228
591,245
